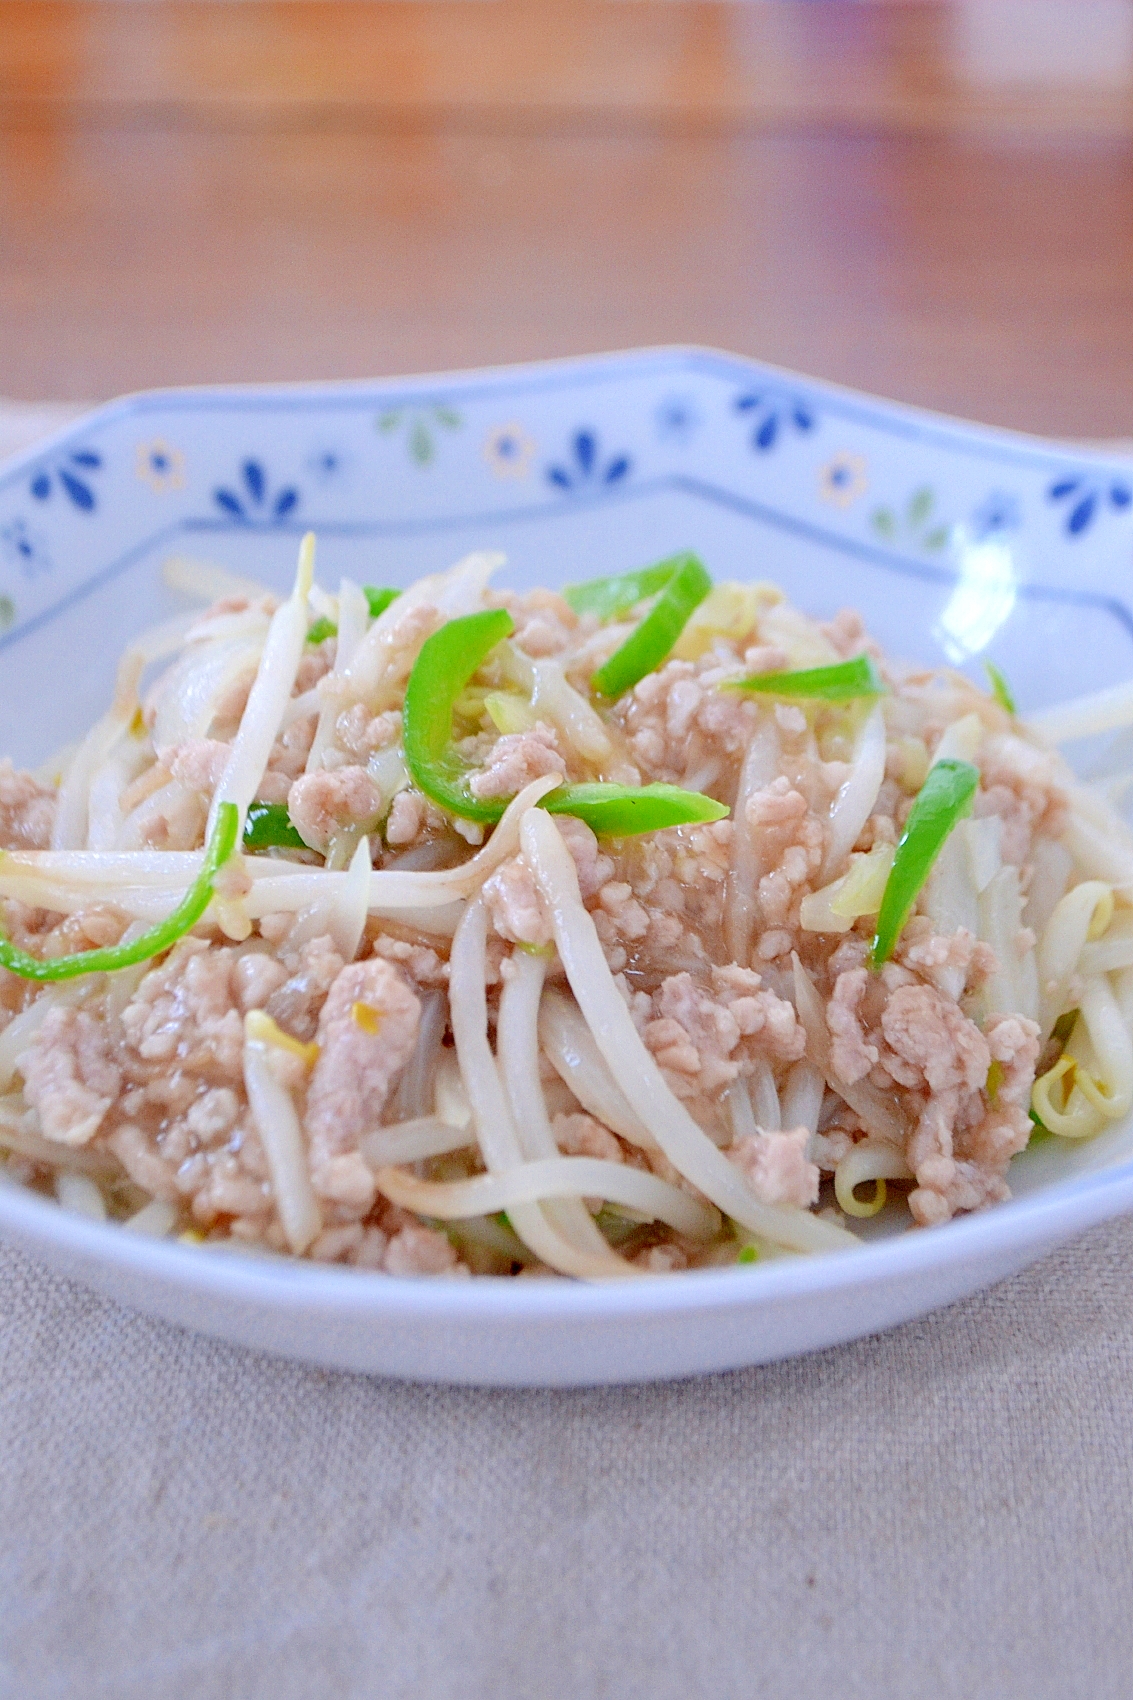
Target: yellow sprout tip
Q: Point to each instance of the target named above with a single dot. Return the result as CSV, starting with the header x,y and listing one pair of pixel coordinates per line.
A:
x,y
365,1016
305,572
262,1030
1102,915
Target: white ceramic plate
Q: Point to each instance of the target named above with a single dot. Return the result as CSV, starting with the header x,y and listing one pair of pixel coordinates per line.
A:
x,y
955,541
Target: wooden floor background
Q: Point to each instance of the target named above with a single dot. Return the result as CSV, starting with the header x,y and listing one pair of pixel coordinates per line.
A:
x,y
934,202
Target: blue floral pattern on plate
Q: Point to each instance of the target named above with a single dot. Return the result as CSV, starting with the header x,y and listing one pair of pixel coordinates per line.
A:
x,y
71,473
1082,499
772,413
253,502
585,466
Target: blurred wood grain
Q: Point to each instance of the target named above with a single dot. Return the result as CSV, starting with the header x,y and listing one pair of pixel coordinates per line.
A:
x,y
319,188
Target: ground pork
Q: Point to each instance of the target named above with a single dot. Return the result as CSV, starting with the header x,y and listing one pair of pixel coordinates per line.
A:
x,y
323,804
309,974
70,1079
181,1126
790,841
847,633
360,733
27,810
289,753
950,961
515,908
776,1168
545,623
703,1034
416,1250
1024,786
516,759
419,961
678,725
850,1055
591,865
677,879
197,764
406,818
413,821
579,1135
43,933
766,658
366,1034
937,1038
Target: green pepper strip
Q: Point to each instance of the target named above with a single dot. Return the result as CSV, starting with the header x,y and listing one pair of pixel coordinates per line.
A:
x,y
379,600
446,663
268,827
321,630
840,683
1000,689
683,584
943,800
157,939
622,811
609,597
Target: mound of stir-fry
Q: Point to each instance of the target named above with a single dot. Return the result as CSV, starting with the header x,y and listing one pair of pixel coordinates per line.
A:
x,y
647,926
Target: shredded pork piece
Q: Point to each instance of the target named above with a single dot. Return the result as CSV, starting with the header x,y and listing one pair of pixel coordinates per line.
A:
x,y
420,961
591,865
70,1079
545,623
851,1057
697,1029
677,722
415,1250
197,764
322,804
579,1135
360,733
515,908
366,1035
776,1168
27,810
516,759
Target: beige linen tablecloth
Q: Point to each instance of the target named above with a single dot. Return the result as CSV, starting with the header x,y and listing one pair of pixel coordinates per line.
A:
x,y
944,1511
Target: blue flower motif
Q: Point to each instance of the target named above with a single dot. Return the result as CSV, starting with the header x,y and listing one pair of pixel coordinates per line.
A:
x,y
72,475
252,504
26,548
587,465
676,418
997,513
773,412
1085,498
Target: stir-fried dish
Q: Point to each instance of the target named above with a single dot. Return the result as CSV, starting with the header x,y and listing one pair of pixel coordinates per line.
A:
x,y
647,926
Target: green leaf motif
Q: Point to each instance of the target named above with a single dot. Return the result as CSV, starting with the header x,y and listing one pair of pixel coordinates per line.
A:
x,y
419,425
7,612
884,522
421,443
920,506
937,538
